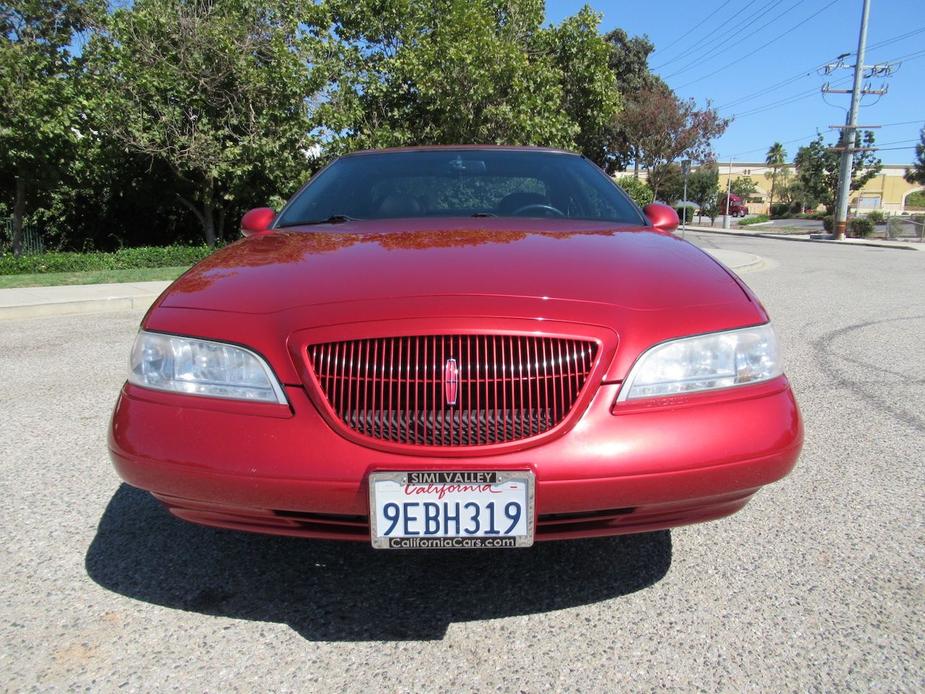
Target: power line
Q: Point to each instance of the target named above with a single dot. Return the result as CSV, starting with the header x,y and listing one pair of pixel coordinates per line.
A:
x,y
785,101
896,142
905,122
762,46
721,47
762,149
809,71
887,42
767,90
690,32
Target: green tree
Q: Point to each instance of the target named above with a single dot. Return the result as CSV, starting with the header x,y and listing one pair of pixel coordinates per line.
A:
x,y
660,128
776,160
703,187
447,72
917,173
590,95
744,187
667,182
220,92
629,64
637,189
817,169
41,103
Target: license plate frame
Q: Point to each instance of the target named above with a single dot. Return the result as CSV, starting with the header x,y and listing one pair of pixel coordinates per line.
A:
x,y
524,479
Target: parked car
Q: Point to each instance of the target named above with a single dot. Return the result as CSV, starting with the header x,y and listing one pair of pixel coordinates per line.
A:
x,y
456,347
737,208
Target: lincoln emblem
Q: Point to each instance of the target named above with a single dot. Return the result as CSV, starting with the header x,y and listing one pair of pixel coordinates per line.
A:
x,y
450,381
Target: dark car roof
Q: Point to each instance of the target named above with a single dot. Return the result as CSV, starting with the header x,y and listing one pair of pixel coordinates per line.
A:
x,y
431,148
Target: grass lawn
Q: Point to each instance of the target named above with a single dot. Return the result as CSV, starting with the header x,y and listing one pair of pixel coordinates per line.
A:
x,y
48,279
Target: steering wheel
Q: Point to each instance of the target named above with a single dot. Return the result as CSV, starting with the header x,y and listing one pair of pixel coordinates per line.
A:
x,y
539,206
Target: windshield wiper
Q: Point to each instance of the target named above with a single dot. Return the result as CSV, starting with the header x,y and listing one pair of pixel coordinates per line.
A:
x,y
333,219
483,214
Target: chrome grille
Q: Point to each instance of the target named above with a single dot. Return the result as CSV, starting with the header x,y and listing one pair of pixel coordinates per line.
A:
x,y
399,389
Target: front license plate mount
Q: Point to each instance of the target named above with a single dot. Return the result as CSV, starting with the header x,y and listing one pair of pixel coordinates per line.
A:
x,y
455,509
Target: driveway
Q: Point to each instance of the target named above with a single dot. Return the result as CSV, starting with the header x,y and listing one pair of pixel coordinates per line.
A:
x,y
816,585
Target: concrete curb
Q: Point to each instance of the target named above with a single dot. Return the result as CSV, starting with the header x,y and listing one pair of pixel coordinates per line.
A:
x,y
736,260
33,302
795,237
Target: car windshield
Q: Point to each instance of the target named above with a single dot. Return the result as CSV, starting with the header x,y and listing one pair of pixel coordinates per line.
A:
x,y
460,183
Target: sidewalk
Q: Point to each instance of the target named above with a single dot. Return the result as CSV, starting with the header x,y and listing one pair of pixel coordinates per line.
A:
x,y
875,243
31,302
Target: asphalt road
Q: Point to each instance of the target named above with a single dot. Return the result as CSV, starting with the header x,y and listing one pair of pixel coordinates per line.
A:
x,y
816,586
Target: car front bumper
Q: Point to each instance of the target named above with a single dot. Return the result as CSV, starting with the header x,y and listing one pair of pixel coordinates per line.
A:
x,y
283,470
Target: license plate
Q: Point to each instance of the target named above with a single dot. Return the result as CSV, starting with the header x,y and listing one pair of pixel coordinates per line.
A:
x,y
449,510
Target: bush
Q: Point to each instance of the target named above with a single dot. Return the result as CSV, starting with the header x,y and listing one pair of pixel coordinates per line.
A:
x,y
124,259
861,227
757,219
779,210
691,212
638,190
828,223
877,217
915,200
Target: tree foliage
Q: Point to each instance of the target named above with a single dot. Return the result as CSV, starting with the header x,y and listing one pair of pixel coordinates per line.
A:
x,y
776,160
447,72
220,92
660,128
817,169
703,187
917,173
40,97
157,121
637,189
744,187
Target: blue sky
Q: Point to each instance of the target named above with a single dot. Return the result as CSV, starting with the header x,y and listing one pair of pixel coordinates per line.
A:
x,y
773,90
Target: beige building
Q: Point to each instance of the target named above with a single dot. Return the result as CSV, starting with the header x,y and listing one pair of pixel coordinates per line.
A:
x,y
887,191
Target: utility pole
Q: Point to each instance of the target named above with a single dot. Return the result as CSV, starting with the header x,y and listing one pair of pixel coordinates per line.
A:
x,y
726,223
848,137
686,168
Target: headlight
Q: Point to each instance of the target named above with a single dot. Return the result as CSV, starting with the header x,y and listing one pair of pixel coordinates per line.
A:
x,y
202,367
705,362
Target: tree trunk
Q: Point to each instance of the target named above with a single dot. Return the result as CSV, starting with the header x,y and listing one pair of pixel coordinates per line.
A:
x,y
220,224
208,224
19,206
204,213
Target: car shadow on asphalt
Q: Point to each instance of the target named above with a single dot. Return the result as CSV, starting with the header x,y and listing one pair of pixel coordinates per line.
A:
x,y
345,591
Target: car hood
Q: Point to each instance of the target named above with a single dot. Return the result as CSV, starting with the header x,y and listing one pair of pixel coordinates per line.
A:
x,y
631,267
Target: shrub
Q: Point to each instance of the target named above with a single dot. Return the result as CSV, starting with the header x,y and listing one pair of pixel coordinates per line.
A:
x,y
638,190
877,217
915,200
861,227
757,219
828,223
780,209
691,212
123,259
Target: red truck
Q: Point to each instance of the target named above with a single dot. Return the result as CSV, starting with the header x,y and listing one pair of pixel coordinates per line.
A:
x,y
737,208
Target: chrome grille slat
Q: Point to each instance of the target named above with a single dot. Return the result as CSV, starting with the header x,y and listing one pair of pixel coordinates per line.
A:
x,y
509,387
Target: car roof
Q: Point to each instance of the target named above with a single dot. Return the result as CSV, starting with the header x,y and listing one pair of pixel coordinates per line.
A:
x,y
450,148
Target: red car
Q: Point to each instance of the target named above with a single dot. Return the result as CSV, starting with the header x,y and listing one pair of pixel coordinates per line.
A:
x,y
456,347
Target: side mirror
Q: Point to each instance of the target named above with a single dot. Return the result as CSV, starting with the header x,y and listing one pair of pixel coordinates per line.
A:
x,y
257,221
661,217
